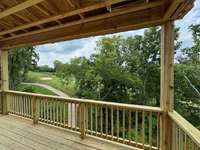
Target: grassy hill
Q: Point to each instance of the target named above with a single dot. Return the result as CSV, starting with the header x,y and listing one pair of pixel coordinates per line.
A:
x,y
34,89
52,80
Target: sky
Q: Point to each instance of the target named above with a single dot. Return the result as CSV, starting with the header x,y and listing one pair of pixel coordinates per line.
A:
x,y
64,51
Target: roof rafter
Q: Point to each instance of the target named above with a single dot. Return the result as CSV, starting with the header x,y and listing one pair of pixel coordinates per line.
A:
x,y
19,7
95,18
60,16
172,8
74,6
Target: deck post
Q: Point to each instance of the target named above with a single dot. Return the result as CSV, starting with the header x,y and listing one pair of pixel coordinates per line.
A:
x,y
167,83
82,120
4,80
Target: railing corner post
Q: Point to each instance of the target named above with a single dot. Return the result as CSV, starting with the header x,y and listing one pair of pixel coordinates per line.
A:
x,y
4,98
35,110
82,120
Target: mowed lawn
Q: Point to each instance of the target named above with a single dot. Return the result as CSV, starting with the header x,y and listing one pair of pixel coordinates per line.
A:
x,y
52,80
34,89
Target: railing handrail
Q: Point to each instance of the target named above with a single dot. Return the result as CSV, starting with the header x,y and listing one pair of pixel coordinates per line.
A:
x,y
94,102
186,126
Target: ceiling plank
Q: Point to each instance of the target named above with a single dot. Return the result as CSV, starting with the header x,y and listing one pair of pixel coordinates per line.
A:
x,y
19,7
172,8
123,11
75,6
81,10
91,30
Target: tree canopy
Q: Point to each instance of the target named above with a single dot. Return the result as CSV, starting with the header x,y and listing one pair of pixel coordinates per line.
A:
x,y
21,60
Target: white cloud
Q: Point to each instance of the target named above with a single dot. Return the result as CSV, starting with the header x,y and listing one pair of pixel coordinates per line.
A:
x,y
64,51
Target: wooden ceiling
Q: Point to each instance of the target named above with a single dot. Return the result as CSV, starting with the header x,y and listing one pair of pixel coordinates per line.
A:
x,y
32,22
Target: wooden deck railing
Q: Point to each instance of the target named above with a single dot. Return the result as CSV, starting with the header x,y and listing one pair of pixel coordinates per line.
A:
x,y
185,136
134,125
129,124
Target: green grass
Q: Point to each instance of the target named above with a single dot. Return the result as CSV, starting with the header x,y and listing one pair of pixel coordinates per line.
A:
x,y
56,82
34,89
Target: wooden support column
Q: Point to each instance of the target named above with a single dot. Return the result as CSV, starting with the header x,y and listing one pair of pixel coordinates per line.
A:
x,y
167,84
4,79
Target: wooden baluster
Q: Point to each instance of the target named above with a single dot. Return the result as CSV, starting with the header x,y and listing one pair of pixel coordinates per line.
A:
x,y
96,125
43,109
185,144
61,121
86,117
10,103
20,100
75,115
150,130
118,123
51,111
158,130
143,128
91,121
35,110
106,121
57,114
14,104
54,112
82,120
174,136
101,121
123,125
28,107
25,108
136,128
179,138
129,126
17,102
21,104
176,129
18,105
71,114
64,114
47,110
18,111
112,122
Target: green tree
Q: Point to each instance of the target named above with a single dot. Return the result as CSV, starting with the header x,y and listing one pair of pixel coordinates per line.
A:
x,y
21,60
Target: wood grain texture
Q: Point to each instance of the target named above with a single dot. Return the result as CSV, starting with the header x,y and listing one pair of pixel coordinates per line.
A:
x,y
20,134
42,21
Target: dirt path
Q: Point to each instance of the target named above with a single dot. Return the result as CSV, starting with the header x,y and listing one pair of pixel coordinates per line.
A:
x,y
71,108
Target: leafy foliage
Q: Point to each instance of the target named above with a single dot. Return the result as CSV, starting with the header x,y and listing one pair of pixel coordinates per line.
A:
x,y
123,70
21,60
128,70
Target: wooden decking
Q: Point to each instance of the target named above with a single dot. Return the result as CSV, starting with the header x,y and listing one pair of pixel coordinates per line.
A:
x,y
20,134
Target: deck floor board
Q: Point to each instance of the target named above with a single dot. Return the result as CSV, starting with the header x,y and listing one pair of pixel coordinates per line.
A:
x,y
20,134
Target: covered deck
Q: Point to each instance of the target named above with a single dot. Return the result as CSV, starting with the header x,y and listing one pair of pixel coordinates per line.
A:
x,y
17,133
96,124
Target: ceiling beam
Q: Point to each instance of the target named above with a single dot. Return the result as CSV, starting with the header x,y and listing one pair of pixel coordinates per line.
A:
x,y
75,6
121,11
77,11
19,7
172,8
93,29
